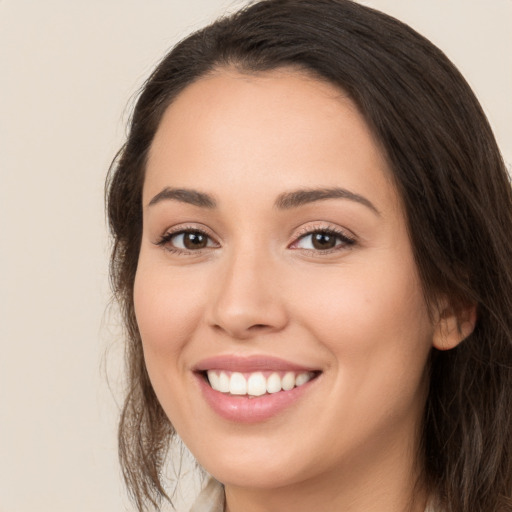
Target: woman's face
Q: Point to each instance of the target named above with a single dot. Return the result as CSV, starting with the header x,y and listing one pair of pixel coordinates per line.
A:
x,y
275,256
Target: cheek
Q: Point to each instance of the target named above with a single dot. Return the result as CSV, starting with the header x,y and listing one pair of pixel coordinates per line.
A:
x,y
370,320
377,329
167,311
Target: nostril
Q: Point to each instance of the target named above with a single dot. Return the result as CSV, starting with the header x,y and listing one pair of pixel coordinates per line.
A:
x,y
259,328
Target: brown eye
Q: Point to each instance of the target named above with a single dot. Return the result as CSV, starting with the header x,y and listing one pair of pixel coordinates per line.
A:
x,y
322,241
194,240
186,240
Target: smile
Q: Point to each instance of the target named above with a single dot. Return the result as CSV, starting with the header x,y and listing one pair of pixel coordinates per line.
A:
x,y
252,389
256,383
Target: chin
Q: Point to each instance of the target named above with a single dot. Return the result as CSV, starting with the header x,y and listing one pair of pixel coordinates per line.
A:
x,y
256,468
254,477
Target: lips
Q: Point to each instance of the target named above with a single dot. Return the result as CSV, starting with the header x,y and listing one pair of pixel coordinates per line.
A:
x,y
235,363
251,389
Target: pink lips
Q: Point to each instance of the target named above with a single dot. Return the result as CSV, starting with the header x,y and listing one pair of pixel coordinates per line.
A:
x,y
245,409
248,364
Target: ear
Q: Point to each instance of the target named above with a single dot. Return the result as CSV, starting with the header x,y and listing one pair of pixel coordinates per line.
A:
x,y
453,326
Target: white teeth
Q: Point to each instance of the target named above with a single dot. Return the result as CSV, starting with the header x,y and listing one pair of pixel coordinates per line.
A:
x,y
223,383
237,384
255,384
302,378
214,379
274,383
288,381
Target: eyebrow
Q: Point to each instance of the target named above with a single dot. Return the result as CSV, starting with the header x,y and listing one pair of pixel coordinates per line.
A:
x,y
184,195
298,198
285,201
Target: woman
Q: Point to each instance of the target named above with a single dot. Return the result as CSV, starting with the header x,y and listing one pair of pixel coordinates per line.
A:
x,y
312,241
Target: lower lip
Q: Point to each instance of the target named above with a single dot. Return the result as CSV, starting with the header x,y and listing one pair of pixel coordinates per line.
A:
x,y
243,409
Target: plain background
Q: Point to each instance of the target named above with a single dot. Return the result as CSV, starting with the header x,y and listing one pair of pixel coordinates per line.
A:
x,y
69,71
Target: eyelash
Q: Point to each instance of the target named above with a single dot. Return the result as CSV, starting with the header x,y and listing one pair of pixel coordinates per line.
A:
x,y
346,240
166,239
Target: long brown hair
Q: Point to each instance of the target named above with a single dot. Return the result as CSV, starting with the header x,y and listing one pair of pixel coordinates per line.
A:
x,y
457,198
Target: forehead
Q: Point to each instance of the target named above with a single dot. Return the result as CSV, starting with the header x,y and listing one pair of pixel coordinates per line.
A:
x,y
276,129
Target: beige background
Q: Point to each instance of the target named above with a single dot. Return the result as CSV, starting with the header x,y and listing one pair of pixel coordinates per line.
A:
x,y
67,72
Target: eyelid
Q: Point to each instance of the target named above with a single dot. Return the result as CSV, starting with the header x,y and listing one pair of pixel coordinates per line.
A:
x,y
312,227
165,239
347,237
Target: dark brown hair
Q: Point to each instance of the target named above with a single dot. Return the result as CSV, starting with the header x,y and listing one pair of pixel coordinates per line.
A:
x,y
455,192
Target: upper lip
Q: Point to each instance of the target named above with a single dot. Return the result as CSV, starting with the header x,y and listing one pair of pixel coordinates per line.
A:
x,y
237,363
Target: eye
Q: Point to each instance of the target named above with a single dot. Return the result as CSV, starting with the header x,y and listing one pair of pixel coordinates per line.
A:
x,y
323,240
186,240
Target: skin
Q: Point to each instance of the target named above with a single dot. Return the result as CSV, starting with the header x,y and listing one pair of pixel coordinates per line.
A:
x,y
355,312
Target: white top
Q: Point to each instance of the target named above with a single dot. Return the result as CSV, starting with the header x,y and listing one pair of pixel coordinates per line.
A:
x,y
211,498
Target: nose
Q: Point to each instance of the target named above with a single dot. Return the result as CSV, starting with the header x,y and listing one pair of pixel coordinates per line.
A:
x,y
246,299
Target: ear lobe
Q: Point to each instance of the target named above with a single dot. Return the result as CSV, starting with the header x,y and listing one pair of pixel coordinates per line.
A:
x,y
453,327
